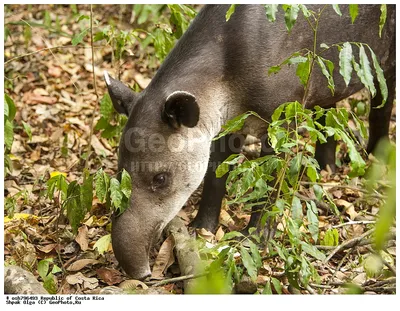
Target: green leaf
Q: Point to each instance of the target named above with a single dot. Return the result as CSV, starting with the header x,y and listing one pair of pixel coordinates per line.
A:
x,y
331,238
115,193
223,168
291,13
27,129
8,134
230,11
353,10
255,254
100,35
50,285
267,289
357,163
233,125
345,57
277,285
278,112
270,11
312,216
217,263
312,173
27,34
43,268
9,109
318,191
386,154
337,9
163,43
79,37
87,191
57,182
274,69
297,209
231,235
47,19
312,251
248,263
328,74
106,107
56,269
102,183
126,184
297,60
382,19
75,210
366,74
103,244
305,11
373,265
324,46
381,78
82,17
303,72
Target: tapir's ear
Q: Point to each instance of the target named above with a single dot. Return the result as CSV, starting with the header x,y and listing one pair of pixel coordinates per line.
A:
x,y
122,97
181,108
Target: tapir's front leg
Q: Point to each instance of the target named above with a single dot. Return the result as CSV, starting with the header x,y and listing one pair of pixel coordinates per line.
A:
x,y
214,188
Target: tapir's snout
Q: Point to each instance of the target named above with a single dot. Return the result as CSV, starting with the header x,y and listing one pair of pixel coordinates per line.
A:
x,y
131,241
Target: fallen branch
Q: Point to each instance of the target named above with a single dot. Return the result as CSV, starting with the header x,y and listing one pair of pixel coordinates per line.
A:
x,y
177,279
357,222
185,250
347,244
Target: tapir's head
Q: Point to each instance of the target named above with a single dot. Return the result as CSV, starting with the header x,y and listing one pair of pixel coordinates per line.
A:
x,y
166,154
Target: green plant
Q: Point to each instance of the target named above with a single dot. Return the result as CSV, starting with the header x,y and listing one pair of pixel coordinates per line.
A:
x,y
75,199
47,274
9,115
273,181
111,123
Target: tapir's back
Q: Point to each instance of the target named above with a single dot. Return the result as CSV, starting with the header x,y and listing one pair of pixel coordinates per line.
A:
x,y
240,51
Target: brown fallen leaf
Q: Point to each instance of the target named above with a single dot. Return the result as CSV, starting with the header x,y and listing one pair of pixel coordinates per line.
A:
x,y
82,238
81,263
79,278
35,155
54,71
132,284
109,276
99,148
165,258
182,214
337,193
225,219
46,248
349,207
205,234
219,234
33,99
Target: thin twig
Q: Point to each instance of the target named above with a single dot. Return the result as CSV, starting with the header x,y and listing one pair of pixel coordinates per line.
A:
x,y
95,91
177,279
358,222
347,243
331,185
310,290
47,49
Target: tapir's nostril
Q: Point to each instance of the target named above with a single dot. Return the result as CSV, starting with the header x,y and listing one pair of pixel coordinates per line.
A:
x,y
147,275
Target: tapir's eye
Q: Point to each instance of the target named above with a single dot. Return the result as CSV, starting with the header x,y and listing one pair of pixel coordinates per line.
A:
x,y
160,181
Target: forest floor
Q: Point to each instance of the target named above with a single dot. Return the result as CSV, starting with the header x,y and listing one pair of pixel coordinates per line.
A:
x,y
51,83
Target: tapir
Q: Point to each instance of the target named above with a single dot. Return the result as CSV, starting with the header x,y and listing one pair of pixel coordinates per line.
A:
x,y
217,70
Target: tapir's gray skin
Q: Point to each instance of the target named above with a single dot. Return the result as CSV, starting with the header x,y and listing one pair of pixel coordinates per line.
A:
x,y
216,71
